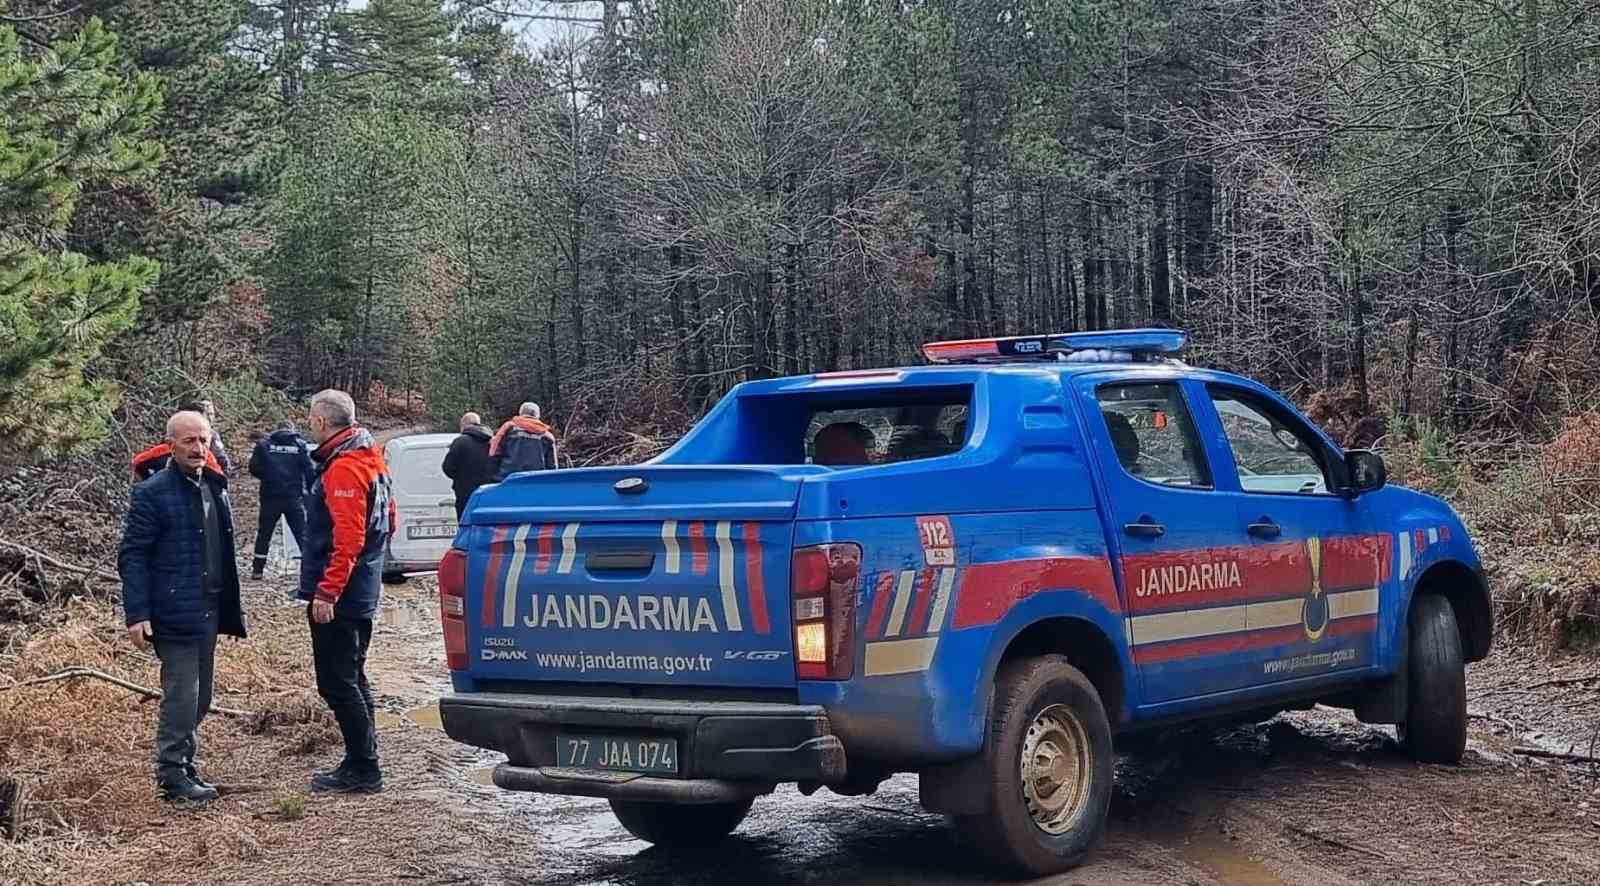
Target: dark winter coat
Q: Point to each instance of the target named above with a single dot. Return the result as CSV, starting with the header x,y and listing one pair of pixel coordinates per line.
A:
x,y
522,444
349,517
467,464
162,559
282,462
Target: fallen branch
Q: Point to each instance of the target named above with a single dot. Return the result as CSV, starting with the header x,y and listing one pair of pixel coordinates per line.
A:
x,y
1556,755
1324,838
1492,719
91,673
67,567
1564,681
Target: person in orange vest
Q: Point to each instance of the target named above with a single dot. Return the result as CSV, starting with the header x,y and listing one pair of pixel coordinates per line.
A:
x,y
522,444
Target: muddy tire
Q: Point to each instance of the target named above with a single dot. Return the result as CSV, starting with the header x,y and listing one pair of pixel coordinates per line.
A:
x,y
680,825
1435,725
1048,769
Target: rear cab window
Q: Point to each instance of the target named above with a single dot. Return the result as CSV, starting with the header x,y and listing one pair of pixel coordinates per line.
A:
x,y
893,429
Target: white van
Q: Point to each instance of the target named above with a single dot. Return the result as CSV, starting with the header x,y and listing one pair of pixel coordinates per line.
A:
x,y
425,505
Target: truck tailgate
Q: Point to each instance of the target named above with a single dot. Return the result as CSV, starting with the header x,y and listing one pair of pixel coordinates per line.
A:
x,y
577,588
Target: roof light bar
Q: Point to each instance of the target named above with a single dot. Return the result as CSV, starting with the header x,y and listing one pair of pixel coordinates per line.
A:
x,y
1139,343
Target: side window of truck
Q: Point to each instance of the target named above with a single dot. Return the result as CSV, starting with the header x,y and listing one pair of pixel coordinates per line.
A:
x,y
1273,454
1153,434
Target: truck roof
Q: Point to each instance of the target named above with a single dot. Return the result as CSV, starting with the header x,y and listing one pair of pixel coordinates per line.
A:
x,y
1062,355
963,374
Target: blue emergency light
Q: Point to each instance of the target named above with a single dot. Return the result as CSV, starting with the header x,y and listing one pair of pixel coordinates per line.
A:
x,y
1110,346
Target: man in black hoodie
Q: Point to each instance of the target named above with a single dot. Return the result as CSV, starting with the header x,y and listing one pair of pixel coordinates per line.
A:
x,y
282,462
467,462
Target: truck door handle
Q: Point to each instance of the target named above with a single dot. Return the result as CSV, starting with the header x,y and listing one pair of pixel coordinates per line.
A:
x,y
607,561
1145,528
1265,529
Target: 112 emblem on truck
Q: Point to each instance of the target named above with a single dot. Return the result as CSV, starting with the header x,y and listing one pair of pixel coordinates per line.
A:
x,y
982,571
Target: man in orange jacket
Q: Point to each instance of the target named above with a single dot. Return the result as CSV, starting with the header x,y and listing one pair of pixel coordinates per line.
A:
x,y
349,517
522,444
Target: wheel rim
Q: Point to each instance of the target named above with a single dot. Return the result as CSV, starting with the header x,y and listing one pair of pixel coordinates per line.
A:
x,y
1055,769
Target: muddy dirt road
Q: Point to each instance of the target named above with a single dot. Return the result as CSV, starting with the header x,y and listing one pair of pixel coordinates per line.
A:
x,y
1311,798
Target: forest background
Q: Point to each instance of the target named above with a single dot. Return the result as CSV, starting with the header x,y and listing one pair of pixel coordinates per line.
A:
x,y
1389,210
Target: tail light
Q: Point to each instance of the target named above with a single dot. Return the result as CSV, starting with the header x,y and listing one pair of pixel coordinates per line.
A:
x,y
453,607
823,587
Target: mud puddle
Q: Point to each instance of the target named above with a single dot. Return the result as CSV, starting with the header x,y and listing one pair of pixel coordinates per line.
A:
x,y
1217,855
426,716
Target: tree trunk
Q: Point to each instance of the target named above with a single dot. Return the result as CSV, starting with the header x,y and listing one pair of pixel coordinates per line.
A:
x,y
1160,274
1453,373
1413,321
1050,316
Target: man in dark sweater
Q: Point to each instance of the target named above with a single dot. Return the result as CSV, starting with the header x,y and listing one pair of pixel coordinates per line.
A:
x,y
180,589
467,462
282,462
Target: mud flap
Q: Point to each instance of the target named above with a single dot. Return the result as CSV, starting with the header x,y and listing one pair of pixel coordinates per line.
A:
x,y
1385,701
958,788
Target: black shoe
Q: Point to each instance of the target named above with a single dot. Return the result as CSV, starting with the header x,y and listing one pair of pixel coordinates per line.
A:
x,y
194,776
186,791
347,782
339,771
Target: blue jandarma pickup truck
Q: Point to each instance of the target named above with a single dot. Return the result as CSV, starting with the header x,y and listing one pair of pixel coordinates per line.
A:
x,y
983,571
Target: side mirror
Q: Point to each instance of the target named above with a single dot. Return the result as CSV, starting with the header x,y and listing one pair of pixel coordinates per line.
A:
x,y
1366,470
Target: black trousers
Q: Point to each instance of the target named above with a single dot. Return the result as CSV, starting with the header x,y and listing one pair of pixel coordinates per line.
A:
x,y
294,510
186,669
339,652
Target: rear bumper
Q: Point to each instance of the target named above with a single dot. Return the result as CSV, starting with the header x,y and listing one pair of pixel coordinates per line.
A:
x,y
409,567
728,750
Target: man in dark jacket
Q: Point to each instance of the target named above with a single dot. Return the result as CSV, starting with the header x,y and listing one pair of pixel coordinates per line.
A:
x,y
180,589
522,444
467,462
282,462
349,517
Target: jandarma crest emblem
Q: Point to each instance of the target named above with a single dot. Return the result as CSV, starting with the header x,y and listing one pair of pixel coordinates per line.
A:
x,y
1314,612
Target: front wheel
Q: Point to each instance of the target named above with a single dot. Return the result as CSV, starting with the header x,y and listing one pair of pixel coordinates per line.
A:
x,y
680,825
1435,726
1049,769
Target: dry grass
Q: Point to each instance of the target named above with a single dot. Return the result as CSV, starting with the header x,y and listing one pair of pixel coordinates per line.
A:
x,y
84,749
83,745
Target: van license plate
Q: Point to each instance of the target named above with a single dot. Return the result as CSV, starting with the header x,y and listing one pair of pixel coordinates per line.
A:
x,y
618,753
447,530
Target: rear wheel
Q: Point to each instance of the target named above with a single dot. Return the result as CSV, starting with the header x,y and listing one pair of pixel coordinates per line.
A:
x,y
680,825
1435,725
1049,769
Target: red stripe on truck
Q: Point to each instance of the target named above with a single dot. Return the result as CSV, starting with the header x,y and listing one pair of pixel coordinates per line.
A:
x,y
919,612
547,533
989,590
880,603
697,547
752,573
497,553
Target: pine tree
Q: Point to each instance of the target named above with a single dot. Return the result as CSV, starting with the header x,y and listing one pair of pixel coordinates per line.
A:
x,y
66,119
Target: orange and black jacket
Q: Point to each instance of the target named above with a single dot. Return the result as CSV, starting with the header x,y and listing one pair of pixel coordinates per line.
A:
x,y
157,457
349,517
521,444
